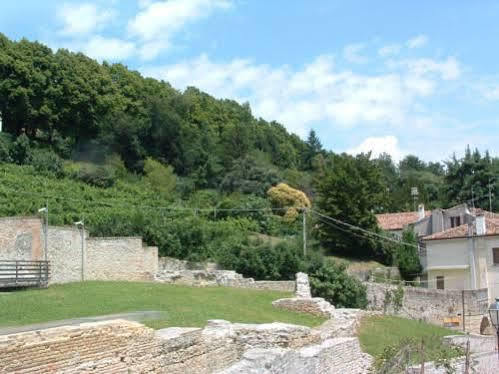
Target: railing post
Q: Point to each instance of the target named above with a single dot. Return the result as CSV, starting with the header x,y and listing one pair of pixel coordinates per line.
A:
x,y
40,274
16,273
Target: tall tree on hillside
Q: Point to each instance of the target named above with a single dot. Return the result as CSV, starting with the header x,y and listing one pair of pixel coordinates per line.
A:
x,y
469,180
350,190
313,148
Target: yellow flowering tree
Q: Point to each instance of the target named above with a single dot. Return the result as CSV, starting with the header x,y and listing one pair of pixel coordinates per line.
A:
x,y
284,196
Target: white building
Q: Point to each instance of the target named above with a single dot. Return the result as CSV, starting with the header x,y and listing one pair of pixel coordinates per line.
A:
x,y
465,256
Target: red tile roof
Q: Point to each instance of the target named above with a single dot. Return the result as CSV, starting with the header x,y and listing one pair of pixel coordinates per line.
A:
x,y
397,221
491,224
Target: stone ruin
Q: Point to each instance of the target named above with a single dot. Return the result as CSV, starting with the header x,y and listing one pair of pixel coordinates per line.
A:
x,y
304,302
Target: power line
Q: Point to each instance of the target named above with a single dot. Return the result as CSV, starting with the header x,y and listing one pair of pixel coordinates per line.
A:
x,y
364,230
170,208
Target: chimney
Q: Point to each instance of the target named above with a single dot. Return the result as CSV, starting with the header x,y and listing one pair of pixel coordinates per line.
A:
x,y
421,213
481,228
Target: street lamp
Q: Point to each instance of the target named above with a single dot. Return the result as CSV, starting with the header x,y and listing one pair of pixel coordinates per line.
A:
x,y
45,228
494,319
81,226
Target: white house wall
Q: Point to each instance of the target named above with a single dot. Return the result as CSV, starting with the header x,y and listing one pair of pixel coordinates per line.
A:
x,y
448,258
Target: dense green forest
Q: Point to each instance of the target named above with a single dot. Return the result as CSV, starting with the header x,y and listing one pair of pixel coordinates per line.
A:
x,y
134,156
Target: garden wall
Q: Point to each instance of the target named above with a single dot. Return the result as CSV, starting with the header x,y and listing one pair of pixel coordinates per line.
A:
x,y
429,304
125,258
121,346
20,238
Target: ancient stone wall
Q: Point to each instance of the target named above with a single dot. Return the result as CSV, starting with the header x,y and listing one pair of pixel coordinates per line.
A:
x,y
20,238
174,271
428,304
118,259
120,346
65,254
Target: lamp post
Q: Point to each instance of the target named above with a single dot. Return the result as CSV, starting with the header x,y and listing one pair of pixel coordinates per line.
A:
x,y
45,229
494,319
81,227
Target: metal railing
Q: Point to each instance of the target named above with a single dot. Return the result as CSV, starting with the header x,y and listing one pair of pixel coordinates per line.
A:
x,y
24,273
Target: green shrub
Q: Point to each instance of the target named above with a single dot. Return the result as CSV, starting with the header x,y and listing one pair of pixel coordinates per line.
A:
x,y
262,260
21,150
407,256
331,282
160,177
95,175
5,145
46,162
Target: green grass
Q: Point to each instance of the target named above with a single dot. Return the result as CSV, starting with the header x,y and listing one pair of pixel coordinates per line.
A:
x,y
184,306
379,332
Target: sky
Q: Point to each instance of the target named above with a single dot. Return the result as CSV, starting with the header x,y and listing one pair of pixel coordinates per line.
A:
x,y
401,77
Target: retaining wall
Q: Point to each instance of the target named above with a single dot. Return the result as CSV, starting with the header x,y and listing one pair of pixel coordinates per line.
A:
x,y
431,305
121,258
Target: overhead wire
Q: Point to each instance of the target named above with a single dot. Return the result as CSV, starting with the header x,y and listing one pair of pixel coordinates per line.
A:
x,y
354,227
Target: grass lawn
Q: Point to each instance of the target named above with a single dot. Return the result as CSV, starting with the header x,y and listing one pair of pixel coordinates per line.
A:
x,y
184,306
378,332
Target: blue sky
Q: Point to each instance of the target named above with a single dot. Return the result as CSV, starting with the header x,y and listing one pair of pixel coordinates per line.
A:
x,y
402,77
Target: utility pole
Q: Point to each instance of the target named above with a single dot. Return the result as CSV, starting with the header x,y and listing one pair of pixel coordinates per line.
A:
x,y
490,196
304,232
45,227
81,226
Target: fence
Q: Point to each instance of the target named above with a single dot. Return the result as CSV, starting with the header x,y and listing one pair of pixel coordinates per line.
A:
x,y
24,273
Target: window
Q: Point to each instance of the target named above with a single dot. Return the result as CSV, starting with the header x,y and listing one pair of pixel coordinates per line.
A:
x,y
455,221
440,282
495,256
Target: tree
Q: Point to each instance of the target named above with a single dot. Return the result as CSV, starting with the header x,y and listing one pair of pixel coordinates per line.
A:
x,y
160,177
313,148
407,256
283,196
331,282
350,190
468,180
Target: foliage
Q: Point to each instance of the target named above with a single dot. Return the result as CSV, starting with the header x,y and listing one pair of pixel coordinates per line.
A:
x,y
407,256
183,306
5,144
160,177
350,190
47,162
470,178
331,282
21,150
384,337
92,174
261,260
283,196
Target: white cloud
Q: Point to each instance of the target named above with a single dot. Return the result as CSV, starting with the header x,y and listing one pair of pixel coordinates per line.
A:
x,y
81,19
317,92
448,69
351,53
111,49
418,41
389,50
158,21
378,145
